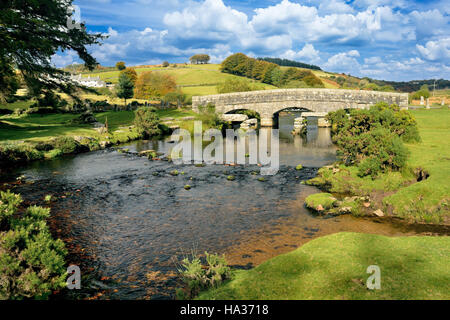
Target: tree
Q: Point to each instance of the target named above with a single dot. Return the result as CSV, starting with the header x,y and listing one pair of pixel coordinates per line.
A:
x,y
9,82
31,32
131,73
154,85
126,87
166,64
146,121
200,59
120,65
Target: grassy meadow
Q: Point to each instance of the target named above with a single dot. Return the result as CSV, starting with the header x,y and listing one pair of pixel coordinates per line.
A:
x,y
192,79
431,197
334,268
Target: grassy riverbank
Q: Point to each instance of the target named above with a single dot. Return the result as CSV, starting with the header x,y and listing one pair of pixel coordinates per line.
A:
x,y
32,137
34,127
399,193
334,267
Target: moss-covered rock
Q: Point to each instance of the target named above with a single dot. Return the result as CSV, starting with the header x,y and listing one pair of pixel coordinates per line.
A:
x,y
320,202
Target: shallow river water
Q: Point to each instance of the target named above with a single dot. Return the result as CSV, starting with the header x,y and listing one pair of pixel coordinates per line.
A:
x,y
128,222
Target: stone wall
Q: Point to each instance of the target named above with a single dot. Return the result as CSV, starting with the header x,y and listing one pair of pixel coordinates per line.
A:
x,y
269,102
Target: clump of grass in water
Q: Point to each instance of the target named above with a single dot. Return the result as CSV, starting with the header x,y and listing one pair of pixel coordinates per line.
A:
x,y
198,277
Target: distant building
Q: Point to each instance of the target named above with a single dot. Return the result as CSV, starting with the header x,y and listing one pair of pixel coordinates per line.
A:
x,y
91,82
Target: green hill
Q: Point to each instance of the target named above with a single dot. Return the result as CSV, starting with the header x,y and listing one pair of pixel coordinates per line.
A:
x,y
192,79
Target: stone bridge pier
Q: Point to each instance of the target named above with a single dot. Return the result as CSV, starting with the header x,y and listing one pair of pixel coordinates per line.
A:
x,y
269,103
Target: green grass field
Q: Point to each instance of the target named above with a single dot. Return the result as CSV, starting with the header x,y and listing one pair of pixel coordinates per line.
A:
x,y
334,268
433,155
33,128
193,79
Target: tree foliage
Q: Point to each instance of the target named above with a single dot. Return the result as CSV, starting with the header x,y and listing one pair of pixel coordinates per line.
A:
x,y
125,88
266,72
31,32
290,63
234,85
423,92
131,73
373,139
151,85
200,59
146,121
120,65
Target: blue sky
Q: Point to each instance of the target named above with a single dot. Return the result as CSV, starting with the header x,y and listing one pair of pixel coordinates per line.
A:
x,y
382,39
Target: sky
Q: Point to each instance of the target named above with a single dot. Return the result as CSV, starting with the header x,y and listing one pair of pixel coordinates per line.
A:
x,y
397,40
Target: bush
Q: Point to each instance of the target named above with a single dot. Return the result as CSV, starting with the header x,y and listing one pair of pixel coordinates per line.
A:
x,y
210,118
31,261
146,122
66,144
13,152
234,85
373,139
198,277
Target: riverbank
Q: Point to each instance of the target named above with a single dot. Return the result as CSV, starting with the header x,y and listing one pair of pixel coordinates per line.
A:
x,y
419,193
334,267
31,137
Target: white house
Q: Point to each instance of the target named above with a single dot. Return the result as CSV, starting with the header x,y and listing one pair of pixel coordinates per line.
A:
x,y
91,82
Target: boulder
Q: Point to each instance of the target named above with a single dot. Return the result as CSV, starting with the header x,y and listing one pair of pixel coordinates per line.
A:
x,y
379,213
320,202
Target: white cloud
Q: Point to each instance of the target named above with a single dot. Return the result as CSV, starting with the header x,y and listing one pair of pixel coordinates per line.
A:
x,y
64,59
431,22
308,54
210,19
335,6
344,62
435,50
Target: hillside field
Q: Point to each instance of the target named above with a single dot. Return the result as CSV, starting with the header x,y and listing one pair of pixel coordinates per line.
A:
x,y
192,79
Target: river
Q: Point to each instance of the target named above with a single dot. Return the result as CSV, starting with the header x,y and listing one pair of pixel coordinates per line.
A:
x,y
128,222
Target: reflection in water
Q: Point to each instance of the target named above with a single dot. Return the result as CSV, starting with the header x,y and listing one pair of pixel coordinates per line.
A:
x,y
130,220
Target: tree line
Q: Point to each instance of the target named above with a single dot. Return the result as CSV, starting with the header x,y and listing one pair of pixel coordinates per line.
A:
x,y
270,73
290,63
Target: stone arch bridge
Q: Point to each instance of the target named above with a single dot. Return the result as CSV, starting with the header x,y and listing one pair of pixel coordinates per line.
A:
x,y
269,103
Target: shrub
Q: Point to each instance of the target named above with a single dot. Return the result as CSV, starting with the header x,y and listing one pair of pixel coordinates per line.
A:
x,y
210,118
14,152
66,144
234,85
31,261
146,122
198,277
373,139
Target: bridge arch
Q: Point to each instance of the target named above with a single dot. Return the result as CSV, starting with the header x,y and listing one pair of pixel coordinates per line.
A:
x,y
270,102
